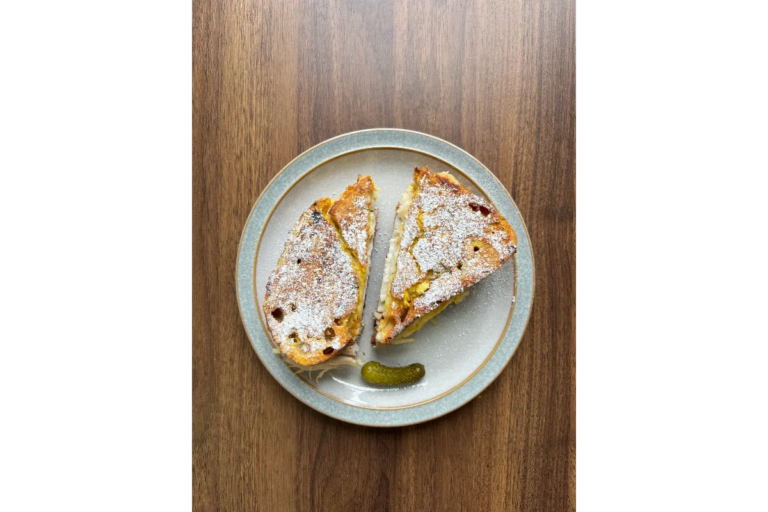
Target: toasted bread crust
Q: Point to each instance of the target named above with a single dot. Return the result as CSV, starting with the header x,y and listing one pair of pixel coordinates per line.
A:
x,y
315,288
350,213
309,289
451,240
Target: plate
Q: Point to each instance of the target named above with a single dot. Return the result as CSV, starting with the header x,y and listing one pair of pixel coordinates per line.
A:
x,y
464,349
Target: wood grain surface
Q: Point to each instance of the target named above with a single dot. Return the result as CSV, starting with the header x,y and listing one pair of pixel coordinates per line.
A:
x,y
272,78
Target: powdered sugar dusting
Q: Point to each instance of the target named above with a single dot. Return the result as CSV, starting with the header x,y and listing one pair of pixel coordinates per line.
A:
x,y
407,272
313,284
446,229
354,228
352,214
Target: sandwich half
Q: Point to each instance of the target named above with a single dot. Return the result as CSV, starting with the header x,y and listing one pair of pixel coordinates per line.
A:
x,y
314,299
445,240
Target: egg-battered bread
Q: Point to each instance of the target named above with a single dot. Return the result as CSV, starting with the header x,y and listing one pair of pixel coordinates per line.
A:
x,y
314,299
445,240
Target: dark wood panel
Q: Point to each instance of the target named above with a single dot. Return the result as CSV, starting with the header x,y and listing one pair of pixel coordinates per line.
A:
x,y
273,78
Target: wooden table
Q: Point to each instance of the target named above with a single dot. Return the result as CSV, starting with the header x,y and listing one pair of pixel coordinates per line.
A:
x,y
273,78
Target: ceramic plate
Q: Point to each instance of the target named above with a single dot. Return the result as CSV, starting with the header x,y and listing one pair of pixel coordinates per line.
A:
x,y
467,345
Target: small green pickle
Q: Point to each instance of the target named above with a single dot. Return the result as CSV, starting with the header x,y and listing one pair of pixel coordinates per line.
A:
x,y
377,373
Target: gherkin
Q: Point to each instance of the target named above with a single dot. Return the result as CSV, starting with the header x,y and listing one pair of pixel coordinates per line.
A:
x,y
377,373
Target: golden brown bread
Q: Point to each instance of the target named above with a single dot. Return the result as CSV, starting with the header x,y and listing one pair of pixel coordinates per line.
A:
x,y
313,302
450,240
351,214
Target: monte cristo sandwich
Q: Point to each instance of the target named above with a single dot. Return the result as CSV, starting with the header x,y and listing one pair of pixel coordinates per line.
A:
x,y
314,298
445,240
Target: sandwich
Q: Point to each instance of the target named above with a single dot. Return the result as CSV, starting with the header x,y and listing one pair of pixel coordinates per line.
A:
x,y
314,298
445,240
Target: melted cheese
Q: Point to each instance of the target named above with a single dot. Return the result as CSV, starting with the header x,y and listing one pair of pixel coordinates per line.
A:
x,y
394,248
421,322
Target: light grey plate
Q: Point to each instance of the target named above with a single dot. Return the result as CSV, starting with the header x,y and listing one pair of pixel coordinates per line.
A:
x,y
468,345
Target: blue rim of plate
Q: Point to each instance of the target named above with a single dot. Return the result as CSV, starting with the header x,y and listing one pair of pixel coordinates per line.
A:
x,y
353,142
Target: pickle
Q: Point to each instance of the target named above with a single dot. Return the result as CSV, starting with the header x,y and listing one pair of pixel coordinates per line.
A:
x,y
377,373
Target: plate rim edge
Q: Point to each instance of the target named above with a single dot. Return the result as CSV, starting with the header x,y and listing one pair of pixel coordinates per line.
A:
x,y
356,411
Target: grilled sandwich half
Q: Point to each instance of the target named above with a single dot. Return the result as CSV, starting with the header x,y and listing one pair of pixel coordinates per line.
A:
x,y
314,299
445,240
